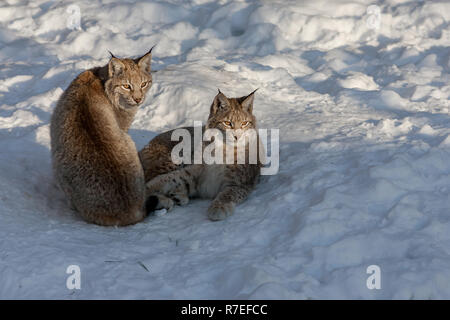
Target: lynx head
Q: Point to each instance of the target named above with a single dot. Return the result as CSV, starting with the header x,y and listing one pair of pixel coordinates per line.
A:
x,y
128,80
232,116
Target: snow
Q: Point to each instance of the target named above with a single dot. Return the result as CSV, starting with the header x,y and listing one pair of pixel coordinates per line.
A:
x,y
363,113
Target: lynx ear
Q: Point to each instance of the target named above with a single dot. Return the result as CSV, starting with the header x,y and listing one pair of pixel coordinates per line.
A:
x,y
220,102
247,101
145,61
115,67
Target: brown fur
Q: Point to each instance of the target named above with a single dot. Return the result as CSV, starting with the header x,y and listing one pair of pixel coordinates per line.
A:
x,y
94,159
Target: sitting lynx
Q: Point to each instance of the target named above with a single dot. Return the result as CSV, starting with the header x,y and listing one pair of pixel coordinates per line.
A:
x,y
226,184
94,159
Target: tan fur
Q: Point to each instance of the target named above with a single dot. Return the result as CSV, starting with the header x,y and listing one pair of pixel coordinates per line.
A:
x,y
155,156
94,159
226,184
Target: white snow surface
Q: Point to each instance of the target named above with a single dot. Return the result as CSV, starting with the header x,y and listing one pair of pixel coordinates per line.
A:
x,y
364,170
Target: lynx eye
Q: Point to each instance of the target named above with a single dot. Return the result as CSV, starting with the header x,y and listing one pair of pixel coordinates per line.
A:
x,y
126,86
245,123
144,84
227,123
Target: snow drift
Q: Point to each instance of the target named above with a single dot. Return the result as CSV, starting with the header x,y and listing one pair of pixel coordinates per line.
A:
x,y
362,104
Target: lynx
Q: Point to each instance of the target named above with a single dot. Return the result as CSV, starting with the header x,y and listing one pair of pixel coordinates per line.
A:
x,y
227,184
95,161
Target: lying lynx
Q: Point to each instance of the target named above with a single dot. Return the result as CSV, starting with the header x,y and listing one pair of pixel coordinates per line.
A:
x,y
227,184
94,159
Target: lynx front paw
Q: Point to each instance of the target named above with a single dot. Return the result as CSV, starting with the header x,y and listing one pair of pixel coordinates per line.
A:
x,y
219,211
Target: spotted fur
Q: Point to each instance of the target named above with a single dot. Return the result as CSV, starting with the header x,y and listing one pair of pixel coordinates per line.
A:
x,y
226,184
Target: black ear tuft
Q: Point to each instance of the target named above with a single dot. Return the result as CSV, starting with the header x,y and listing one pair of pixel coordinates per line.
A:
x,y
148,53
145,61
112,55
247,101
150,204
242,99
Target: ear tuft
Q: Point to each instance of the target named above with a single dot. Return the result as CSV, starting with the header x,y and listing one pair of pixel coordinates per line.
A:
x,y
247,101
112,55
145,61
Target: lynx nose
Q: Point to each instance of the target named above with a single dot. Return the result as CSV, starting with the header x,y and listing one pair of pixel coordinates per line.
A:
x,y
137,100
237,134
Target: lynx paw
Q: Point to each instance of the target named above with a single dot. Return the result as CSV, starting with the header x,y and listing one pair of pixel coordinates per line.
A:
x,y
179,199
219,211
157,202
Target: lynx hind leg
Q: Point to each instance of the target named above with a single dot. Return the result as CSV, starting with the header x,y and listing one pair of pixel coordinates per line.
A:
x,y
157,202
172,188
156,157
181,198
